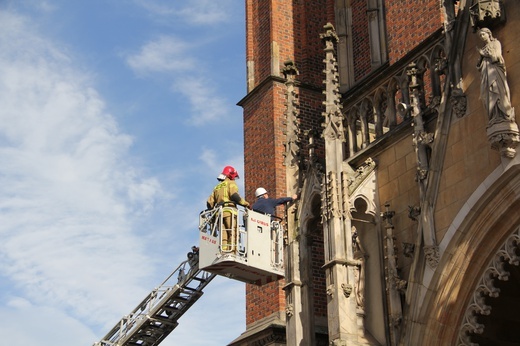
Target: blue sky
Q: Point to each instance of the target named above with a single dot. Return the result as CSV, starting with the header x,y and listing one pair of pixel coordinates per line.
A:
x,y
116,117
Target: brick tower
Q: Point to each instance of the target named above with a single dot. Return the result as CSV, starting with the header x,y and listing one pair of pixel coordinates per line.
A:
x,y
277,32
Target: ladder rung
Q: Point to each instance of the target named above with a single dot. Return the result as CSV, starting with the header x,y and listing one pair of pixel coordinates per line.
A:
x,y
182,299
164,320
153,329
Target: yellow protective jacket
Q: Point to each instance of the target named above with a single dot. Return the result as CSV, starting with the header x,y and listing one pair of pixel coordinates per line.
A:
x,y
226,193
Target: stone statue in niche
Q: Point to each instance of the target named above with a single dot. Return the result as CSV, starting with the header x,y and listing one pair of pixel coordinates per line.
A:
x,y
494,90
359,271
502,130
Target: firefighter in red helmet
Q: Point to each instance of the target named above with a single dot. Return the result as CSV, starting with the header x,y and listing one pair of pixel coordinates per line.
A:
x,y
226,194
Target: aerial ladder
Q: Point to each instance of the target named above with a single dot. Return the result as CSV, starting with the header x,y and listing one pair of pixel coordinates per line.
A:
x,y
157,315
255,256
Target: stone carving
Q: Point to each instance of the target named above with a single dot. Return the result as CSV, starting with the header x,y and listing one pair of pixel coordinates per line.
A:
x,y
329,201
347,289
338,342
395,286
289,310
458,102
292,144
395,321
502,130
311,136
359,271
330,291
494,90
432,255
422,140
440,65
400,284
408,249
486,12
414,212
333,125
486,287
354,180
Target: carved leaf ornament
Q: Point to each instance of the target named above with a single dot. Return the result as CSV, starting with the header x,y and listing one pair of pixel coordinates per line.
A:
x,y
486,287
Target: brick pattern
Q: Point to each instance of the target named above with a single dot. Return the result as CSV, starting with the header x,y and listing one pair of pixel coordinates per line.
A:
x,y
262,133
409,22
258,42
360,41
318,274
262,301
288,24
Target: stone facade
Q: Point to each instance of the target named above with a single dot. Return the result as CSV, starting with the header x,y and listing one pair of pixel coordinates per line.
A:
x,y
394,122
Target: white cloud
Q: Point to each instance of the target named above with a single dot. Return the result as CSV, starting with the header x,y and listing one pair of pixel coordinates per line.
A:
x,y
214,162
206,106
49,327
165,54
169,56
72,257
68,196
209,158
195,12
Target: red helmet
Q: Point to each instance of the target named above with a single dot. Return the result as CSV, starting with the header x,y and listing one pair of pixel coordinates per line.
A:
x,y
230,172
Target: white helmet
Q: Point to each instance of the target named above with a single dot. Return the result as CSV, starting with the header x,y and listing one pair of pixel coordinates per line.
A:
x,y
260,191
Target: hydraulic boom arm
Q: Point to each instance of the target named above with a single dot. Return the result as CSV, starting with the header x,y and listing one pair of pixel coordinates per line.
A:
x,y
158,314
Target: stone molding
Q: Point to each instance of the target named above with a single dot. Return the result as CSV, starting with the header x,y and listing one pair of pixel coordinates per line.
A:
x,y
486,287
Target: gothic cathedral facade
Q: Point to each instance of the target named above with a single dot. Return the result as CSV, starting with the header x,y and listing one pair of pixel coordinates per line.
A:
x,y
394,122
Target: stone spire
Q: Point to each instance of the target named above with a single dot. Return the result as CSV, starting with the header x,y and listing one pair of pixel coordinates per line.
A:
x,y
295,323
339,263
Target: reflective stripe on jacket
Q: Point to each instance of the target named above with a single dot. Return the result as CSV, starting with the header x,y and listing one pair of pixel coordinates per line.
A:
x,y
222,194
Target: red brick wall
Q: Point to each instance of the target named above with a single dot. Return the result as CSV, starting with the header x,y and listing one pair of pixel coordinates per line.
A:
x,y
408,23
295,26
318,273
263,156
360,41
258,40
312,17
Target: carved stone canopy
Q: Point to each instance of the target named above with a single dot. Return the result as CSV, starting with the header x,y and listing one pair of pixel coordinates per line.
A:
x,y
487,13
504,137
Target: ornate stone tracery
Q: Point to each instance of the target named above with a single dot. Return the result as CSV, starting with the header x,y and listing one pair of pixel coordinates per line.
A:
x,y
374,111
486,12
333,125
486,287
292,154
360,174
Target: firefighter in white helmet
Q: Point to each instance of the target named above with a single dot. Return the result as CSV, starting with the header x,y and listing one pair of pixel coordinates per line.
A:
x,y
265,204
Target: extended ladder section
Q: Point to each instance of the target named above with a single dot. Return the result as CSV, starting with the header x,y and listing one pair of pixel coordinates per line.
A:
x,y
158,314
